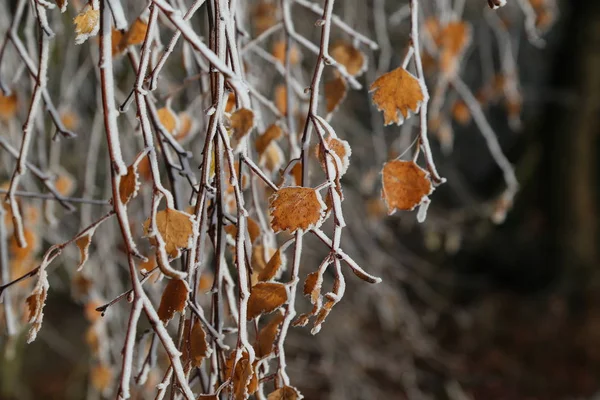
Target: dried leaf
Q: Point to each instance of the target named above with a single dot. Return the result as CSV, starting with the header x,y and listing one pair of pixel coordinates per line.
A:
x,y
272,267
273,132
453,41
295,207
461,112
397,91
340,148
186,126
285,393
35,304
267,335
23,253
135,35
62,5
264,16
173,299
242,121
86,24
265,298
195,348
253,230
84,247
130,184
280,98
312,288
230,102
101,377
64,184
168,119
335,92
278,52
273,158
405,185
8,106
175,227
350,57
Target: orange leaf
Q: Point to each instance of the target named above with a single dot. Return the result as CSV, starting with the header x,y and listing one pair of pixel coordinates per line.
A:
x,y
273,132
267,336
335,92
278,52
168,119
101,377
285,393
176,228
264,16
242,121
405,185
65,184
296,207
397,91
265,298
173,299
273,158
280,98
84,248
350,57
86,24
136,33
340,148
272,267
8,106
195,347
130,184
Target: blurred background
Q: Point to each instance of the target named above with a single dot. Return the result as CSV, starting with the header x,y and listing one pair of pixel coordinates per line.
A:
x,y
468,309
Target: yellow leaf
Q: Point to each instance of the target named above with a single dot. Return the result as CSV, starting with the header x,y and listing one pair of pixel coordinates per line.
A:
x,y
86,24
405,185
176,228
396,93
294,208
265,298
173,299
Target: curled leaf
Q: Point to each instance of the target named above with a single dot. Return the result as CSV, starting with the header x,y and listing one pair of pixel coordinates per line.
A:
x,y
35,304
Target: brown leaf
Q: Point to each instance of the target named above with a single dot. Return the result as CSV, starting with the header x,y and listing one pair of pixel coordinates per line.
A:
x,y
90,311
195,347
312,288
285,393
173,299
295,207
35,304
267,336
340,148
273,158
253,230
335,92
452,42
129,185
168,119
280,98
175,227
273,132
245,381
84,248
230,105
350,57
397,91
461,112
64,184
405,184
265,298
242,121
272,267
23,253
8,106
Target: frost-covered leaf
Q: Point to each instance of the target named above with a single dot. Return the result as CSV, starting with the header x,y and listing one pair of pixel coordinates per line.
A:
x,y
296,207
86,24
335,92
83,243
342,151
396,93
265,298
35,304
173,299
195,347
272,267
175,227
267,335
405,185
285,393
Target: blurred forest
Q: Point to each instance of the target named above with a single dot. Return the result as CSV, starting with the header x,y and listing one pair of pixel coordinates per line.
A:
x,y
467,309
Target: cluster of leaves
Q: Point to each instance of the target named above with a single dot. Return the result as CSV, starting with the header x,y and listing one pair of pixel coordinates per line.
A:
x,y
213,257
